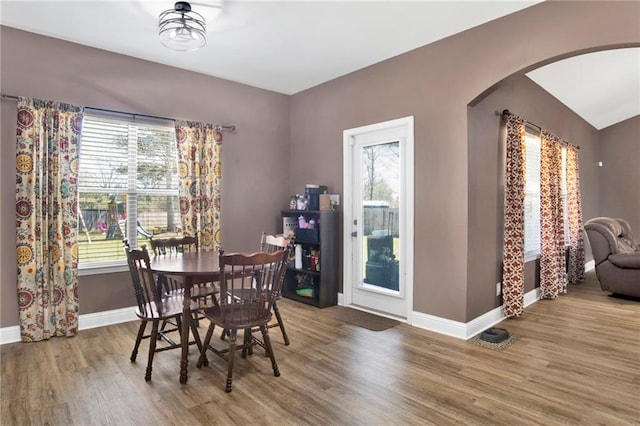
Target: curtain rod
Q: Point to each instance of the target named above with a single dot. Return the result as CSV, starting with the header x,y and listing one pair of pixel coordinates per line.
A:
x,y
226,128
507,112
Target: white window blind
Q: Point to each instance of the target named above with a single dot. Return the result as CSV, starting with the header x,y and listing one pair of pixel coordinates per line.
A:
x,y
128,187
563,194
532,197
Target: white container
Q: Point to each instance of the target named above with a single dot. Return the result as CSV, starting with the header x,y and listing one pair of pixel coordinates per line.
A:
x,y
302,222
298,252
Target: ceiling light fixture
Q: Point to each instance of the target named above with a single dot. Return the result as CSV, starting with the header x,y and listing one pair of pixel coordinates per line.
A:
x,y
181,28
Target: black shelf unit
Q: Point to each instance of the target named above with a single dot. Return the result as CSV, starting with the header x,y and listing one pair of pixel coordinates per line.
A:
x,y
323,283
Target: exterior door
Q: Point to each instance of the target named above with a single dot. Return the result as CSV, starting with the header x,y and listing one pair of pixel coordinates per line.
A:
x,y
379,218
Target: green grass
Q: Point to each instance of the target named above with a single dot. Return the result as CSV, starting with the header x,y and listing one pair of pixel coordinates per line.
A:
x,y
102,249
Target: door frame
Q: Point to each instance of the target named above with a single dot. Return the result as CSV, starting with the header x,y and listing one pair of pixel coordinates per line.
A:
x,y
407,225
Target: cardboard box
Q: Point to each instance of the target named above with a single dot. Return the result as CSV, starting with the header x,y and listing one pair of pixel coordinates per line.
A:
x,y
325,202
329,201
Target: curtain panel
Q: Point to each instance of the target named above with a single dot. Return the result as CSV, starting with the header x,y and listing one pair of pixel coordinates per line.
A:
x,y
200,174
576,226
513,244
553,278
48,134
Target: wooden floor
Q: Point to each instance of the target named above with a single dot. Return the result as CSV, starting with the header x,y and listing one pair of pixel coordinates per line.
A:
x,y
577,362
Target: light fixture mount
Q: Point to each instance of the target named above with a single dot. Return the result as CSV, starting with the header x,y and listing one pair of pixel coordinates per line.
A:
x,y
182,6
181,28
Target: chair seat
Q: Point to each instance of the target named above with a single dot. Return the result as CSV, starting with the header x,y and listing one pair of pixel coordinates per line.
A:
x,y
234,316
171,306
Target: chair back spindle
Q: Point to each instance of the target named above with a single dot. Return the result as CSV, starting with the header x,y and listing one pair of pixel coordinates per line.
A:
x,y
174,245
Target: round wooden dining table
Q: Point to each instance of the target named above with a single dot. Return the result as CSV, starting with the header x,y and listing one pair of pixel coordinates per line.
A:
x,y
193,267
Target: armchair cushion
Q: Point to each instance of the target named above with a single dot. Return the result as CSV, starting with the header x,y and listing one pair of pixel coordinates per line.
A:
x,y
626,260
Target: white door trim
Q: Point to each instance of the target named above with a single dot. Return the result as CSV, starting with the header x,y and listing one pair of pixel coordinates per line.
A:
x,y
408,242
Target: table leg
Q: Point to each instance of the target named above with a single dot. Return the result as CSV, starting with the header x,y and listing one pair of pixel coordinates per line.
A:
x,y
186,320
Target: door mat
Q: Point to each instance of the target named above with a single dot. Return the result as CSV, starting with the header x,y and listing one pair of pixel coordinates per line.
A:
x,y
360,318
500,346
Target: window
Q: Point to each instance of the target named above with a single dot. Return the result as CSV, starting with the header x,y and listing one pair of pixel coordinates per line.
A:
x,y
128,187
532,197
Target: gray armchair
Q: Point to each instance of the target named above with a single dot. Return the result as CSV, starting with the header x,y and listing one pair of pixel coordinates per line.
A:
x,y
616,254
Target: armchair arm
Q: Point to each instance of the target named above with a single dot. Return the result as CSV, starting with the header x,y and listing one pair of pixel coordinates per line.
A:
x,y
626,260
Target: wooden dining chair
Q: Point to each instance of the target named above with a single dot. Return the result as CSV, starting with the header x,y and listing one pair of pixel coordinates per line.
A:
x,y
164,289
154,305
270,243
257,277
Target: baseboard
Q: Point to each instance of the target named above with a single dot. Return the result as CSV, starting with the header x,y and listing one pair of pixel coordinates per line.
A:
x,y
85,322
433,323
467,330
100,319
439,325
458,329
9,334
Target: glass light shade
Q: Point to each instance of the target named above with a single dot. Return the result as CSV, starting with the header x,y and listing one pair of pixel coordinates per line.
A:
x,y
181,28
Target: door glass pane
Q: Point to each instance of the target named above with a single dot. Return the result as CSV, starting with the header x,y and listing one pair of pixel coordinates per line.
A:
x,y
380,203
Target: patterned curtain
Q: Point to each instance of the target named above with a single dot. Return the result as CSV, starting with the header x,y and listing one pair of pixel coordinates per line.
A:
x,y
513,247
576,236
199,170
47,218
553,278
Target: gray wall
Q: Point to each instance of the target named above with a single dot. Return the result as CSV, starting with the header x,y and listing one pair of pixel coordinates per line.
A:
x,y
620,172
297,140
255,158
435,84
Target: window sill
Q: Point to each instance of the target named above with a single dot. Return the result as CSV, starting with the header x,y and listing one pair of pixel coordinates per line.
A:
x,y
535,255
102,268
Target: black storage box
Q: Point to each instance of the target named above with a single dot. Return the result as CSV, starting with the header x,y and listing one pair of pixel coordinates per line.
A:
x,y
307,235
314,196
383,274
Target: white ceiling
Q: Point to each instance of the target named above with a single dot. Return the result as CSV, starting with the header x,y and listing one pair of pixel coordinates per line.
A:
x,y
603,87
289,46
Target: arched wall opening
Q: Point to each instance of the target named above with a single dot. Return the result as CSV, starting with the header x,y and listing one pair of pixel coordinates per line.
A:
x,y
521,95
